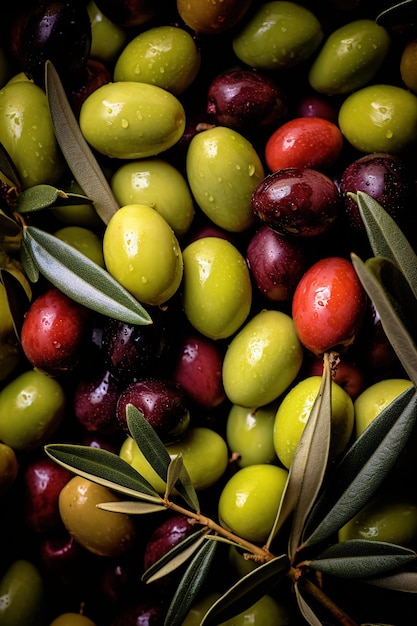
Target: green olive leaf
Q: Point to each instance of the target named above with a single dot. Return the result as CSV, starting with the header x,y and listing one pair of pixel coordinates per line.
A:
x,y
362,469
79,278
8,225
309,465
305,609
8,168
175,557
102,467
190,584
131,507
247,590
29,264
41,197
75,149
397,334
404,581
17,299
173,474
386,238
157,455
361,558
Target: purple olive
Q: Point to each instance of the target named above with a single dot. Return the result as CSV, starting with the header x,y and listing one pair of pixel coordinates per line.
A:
x,y
383,176
246,101
298,202
95,399
276,263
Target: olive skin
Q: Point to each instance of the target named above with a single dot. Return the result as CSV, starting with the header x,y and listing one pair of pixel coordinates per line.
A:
x,y
262,359
101,532
131,120
27,133
279,35
217,291
223,169
350,57
9,468
206,16
22,594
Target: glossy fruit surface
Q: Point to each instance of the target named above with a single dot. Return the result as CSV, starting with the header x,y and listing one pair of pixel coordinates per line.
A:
x,y
143,254
107,37
98,531
375,399
53,332
328,306
166,56
350,57
217,291
294,411
408,64
386,517
262,360
84,240
223,169
21,594
312,142
250,499
160,185
131,120
9,468
209,17
296,28
72,619
250,434
379,118
31,408
298,201
94,402
27,134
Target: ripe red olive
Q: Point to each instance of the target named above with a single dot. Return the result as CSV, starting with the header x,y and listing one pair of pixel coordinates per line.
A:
x,y
245,100
329,305
54,331
276,263
296,201
95,398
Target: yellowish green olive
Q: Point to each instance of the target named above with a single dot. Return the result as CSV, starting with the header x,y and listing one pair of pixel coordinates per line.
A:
x,y
27,133
250,434
9,468
375,398
72,619
107,37
84,240
223,169
77,214
217,290
141,252
350,57
101,532
166,56
160,185
262,360
22,595
131,120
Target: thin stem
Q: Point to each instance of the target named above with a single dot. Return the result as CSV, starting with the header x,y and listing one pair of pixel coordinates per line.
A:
x,y
321,598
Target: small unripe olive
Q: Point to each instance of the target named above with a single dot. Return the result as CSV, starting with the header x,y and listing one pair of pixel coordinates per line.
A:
x,y
211,17
22,594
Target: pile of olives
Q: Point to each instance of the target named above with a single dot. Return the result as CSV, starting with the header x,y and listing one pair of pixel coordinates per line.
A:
x,y
231,135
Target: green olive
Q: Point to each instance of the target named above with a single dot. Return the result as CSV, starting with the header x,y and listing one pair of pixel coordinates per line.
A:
x,y
131,120
350,57
142,253
262,360
160,185
250,499
379,118
212,16
223,170
9,468
27,133
250,434
31,408
101,532
84,240
279,35
9,343
107,38
72,619
166,56
217,290
21,594
77,214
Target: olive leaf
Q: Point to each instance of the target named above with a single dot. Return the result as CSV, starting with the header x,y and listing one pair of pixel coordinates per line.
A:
x,y
17,299
79,277
174,472
398,14
102,467
8,225
247,590
305,609
362,469
361,558
130,507
190,584
8,168
44,196
404,581
75,149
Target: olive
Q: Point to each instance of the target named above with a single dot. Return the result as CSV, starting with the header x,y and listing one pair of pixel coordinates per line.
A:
x,y
206,16
84,240
22,594
107,37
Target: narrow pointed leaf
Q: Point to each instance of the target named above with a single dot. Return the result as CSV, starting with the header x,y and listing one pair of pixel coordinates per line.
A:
x,y
305,609
190,584
44,196
131,507
308,466
359,558
7,167
175,557
173,473
81,279
247,591
103,467
398,14
157,455
397,334
362,469
17,299
75,148
8,226
404,581
386,238
29,265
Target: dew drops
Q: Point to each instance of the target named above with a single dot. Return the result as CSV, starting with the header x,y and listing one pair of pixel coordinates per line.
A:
x,y
125,123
